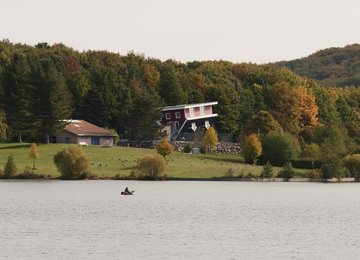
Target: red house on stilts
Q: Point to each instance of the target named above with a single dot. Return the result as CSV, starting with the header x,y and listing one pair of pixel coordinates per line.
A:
x,y
187,118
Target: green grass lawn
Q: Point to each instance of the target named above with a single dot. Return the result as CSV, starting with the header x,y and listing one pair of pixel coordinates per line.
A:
x,y
108,162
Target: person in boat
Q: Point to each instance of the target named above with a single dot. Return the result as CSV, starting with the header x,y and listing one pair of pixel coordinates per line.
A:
x,y
127,191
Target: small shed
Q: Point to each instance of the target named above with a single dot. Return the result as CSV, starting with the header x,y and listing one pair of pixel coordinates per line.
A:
x,y
83,133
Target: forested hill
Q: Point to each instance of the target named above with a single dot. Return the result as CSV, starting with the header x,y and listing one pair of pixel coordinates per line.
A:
x,y
333,67
42,85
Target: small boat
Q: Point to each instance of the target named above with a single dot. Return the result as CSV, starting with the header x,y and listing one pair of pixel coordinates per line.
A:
x,y
127,193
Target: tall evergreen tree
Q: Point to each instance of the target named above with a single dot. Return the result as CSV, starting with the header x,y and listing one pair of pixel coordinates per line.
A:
x,y
144,116
3,126
18,97
108,101
53,103
170,87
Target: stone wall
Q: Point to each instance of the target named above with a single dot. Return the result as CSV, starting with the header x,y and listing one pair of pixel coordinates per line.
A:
x,y
223,147
229,148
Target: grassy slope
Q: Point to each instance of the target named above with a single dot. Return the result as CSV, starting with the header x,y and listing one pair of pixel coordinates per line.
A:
x,y
120,160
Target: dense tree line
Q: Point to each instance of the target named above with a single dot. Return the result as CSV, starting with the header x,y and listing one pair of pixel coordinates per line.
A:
x,y
43,84
332,67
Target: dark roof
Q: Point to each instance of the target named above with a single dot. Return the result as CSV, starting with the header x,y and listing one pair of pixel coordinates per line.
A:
x,y
81,127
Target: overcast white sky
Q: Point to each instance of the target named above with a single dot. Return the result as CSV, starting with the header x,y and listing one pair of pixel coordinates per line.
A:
x,y
258,31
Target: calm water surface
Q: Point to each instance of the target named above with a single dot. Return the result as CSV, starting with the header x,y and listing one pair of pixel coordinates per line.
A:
x,y
178,220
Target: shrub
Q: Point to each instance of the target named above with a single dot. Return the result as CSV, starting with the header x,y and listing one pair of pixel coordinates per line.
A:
x,y
71,162
202,149
352,163
267,171
313,174
287,172
187,148
252,148
29,174
84,175
333,170
164,148
280,148
331,163
10,168
152,167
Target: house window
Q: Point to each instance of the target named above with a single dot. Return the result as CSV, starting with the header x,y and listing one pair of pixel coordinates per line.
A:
x,y
67,140
167,116
177,114
197,111
191,111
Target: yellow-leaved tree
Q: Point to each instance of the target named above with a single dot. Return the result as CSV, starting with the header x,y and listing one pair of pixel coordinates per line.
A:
x,y
164,148
152,76
309,109
210,139
252,148
34,153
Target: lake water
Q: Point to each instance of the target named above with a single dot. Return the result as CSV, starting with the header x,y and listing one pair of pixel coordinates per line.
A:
x,y
178,220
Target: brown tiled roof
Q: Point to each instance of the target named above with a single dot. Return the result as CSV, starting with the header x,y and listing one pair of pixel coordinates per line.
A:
x,y
81,127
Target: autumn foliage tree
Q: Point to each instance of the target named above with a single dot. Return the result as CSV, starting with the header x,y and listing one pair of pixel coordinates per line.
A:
x,y
309,109
42,84
252,148
286,106
152,76
34,153
164,148
210,138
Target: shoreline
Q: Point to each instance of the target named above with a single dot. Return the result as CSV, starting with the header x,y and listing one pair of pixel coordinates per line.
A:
x,y
219,179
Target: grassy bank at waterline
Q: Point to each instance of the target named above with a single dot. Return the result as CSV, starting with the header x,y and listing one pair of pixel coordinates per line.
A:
x,y
108,162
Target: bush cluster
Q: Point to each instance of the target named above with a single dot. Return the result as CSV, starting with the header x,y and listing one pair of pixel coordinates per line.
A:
x,y
287,172
267,171
164,148
72,163
313,174
151,167
187,148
